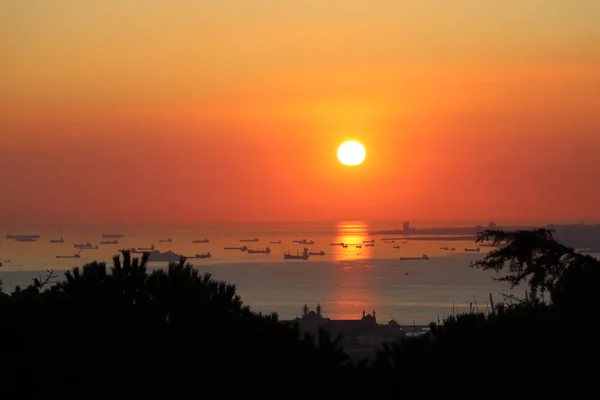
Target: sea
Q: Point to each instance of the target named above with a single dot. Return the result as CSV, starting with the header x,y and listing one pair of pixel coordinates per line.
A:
x,y
344,282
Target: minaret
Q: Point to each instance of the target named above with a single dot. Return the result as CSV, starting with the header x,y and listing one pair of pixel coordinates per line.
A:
x,y
374,316
319,310
305,309
364,314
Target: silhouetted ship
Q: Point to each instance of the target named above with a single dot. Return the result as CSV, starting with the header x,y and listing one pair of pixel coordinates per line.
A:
x,y
423,257
111,236
61,240
304,241
368,241
133,250
11,236
359,246
85,246
396,247
151,248
473,250
277,242
370,245
266,250
320,253
390,241
115,241
299,256
201,241
202,255
248,240
168,256
447,248
169,240
243,248
76,255
26,239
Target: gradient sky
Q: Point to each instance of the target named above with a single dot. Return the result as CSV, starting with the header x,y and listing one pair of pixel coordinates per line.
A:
x,y
225,110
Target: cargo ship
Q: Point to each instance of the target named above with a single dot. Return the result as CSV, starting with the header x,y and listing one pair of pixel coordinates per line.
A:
x,y
202,255
111,236
266,250
167,256
289,256
423,257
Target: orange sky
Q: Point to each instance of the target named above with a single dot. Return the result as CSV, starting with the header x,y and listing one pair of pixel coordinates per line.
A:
x,y
175,110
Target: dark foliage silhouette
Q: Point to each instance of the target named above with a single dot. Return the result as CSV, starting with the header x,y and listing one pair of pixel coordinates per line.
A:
x,y
164,334
531,348
127,332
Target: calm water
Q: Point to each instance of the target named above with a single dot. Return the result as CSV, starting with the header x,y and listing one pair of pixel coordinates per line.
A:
x,y
344,281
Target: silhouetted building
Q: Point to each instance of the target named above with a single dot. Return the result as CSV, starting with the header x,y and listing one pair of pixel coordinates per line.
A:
x,y
406,226
492,226
361,337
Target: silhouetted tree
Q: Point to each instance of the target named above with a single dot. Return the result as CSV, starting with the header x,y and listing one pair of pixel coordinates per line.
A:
x,y
165,334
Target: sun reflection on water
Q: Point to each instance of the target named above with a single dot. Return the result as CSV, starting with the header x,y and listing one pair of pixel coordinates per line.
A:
x,y
352,235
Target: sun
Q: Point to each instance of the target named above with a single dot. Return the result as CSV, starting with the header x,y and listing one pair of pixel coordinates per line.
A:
x,y
351,153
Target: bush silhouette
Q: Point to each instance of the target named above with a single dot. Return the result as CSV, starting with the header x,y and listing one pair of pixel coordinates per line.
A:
x,y
163,334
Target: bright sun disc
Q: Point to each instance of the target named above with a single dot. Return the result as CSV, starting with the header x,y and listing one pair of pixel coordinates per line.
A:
x,y
351,153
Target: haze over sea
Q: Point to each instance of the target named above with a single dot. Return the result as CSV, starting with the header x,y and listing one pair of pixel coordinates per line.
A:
x,y
344,281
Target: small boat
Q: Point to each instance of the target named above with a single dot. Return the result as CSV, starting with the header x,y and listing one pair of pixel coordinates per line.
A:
x,y
201,241
111,236
370,245
76,255
403,241
447,248
368,241
390,241
359,247
115,241
169,240
396,247
473,250
202,255
337,244
423,257
266,250
320,253
25,239
277,242
157,256
151,248
243,248
248,240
